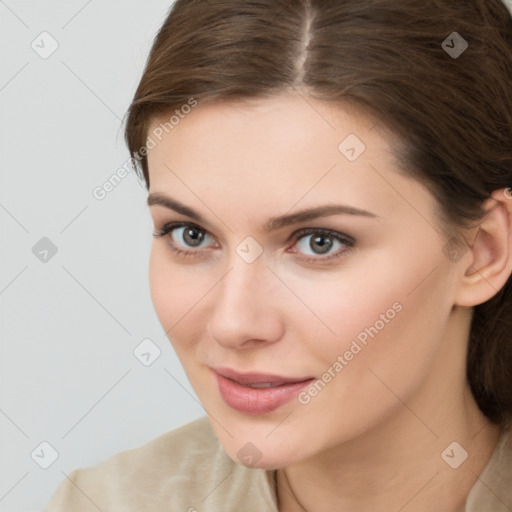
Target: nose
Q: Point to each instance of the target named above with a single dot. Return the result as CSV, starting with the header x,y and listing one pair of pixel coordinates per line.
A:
x,y
245,308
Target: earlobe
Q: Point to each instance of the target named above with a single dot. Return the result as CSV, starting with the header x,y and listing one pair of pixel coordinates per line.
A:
x,y
490,248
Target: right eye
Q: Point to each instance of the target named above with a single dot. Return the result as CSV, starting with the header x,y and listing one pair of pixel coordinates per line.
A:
x,y
184,236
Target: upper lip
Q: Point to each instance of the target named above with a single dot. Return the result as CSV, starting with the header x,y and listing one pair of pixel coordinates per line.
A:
x,y
257,378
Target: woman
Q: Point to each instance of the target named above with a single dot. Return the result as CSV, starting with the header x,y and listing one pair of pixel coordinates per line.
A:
x,y
328,181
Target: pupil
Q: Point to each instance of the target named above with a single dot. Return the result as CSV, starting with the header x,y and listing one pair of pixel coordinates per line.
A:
x,y
322,245
193,236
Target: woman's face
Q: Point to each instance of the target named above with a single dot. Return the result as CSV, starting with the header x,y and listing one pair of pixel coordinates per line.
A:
x,y
357,299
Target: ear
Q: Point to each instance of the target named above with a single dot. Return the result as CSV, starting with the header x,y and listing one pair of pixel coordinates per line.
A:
x,y
488,264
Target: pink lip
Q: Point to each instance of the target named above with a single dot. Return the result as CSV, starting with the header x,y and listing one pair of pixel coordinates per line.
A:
x,y
233,387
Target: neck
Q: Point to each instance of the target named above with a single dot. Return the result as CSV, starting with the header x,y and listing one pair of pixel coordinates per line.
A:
x,y
400,462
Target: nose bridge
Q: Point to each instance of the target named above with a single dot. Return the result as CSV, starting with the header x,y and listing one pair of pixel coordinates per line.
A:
x,y
243,288
244,307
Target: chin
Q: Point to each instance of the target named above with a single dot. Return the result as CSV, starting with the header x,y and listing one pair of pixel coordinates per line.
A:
x,y
248,442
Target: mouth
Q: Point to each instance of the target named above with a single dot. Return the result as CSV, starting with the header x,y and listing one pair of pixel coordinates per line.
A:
x,y
263,384
257,393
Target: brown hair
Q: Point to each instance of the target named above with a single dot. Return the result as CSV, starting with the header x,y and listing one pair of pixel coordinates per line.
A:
x,y
393,58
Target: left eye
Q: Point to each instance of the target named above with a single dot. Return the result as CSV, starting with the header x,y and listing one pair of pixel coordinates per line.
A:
x,y
318,243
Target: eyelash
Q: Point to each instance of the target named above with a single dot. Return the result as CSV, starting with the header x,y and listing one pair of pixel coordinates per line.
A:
x,y
347,241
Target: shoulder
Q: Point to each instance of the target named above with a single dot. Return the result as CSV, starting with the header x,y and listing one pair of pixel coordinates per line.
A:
x,y
175,471
493,490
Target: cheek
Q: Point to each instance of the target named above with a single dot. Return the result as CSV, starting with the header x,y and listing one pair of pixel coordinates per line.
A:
x,y
386,344
163,292
173,291
352,305
390,318
179,295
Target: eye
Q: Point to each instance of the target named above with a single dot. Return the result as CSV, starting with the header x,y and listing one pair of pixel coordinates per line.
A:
x,y
315,245
322,244
192,236
183,236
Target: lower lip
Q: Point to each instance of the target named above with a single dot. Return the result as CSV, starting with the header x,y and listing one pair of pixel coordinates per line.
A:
x,y
257,400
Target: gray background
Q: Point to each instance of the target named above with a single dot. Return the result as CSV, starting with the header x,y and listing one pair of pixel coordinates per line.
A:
x,y
69,325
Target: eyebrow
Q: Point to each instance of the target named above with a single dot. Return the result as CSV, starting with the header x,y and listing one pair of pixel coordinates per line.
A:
x,y
274,223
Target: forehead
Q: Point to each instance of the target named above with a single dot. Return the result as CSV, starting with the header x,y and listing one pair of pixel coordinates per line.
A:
x,y
285,115
276,152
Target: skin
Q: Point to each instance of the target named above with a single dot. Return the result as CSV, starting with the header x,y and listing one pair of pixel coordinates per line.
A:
x,y
384,420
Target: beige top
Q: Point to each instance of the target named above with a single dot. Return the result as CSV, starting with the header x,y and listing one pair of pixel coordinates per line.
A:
x,y
187,470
